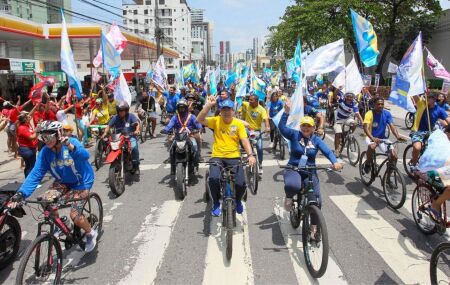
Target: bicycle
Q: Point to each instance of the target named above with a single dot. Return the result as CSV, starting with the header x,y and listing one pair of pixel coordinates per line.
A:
x,y
392,180
146,128
46,246
439,264
101,145
348,140
279,141
422,197
329,114
251,172
306,209
227,190
407,153
409,119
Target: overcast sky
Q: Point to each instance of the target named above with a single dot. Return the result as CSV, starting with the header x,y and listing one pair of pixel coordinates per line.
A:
x,y
237,21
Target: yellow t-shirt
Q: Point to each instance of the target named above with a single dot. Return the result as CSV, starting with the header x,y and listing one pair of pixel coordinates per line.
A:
x,y
102,115
226,137
253,116
112,108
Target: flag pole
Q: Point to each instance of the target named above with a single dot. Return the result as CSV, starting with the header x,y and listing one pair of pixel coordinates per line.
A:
x,y
426,92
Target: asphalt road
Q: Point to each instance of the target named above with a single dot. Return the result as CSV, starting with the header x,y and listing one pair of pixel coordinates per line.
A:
x,y
148,237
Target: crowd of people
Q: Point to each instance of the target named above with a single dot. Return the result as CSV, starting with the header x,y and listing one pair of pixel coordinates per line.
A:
x,y
46,130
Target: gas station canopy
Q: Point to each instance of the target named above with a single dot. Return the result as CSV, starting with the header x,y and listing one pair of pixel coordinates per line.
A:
x,y
28,40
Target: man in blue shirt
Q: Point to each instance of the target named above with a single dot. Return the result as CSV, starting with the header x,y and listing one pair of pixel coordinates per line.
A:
x,y
171,101
68,162
375,123
346,108
184,121
127,122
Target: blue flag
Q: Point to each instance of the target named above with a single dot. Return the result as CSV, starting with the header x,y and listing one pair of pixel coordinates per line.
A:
x,y
111,57
212,83
241,88
366,39
400,96
232,77
67,62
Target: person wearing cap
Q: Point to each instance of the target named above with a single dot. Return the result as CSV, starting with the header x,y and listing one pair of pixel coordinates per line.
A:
x,y
228,133
346,108
67,130
171,101
100,114
27,141
254,114
303,142
422,125
147,104
112,104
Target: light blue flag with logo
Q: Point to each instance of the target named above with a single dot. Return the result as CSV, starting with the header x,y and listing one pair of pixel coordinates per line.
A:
x,y
257,85
231,79
189,72
241,88
111,57
67,62
268,73
366,39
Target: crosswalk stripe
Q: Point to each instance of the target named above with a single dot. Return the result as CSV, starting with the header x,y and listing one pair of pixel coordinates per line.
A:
x,y
153,240
218,270
293,240
410,264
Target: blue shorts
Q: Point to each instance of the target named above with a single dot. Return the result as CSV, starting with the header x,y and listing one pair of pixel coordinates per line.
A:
x,y
418,136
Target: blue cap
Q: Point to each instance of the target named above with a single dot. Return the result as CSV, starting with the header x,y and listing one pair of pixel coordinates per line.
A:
x,y
227,103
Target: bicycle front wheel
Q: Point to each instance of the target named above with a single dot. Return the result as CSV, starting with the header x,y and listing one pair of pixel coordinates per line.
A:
x,y
42,262
421,200
143,134
315,241
353,151
407,155
366,177
409,120
394,188
439,265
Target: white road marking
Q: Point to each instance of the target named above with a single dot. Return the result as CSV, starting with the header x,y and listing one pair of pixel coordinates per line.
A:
x,y
153,240
107,218
409,263
293,239
24,233
218,270
149,167
115,206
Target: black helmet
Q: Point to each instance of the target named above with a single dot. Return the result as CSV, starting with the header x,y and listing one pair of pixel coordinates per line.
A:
x,y
123,106
190,96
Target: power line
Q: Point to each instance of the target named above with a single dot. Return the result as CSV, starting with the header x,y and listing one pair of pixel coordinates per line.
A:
x,y
103,3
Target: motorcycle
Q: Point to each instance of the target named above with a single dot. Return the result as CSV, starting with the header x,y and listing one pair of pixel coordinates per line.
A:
x,y
185,159
120,162
10,230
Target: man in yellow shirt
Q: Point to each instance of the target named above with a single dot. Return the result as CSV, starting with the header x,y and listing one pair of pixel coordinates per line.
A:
x,y
254,114
228,132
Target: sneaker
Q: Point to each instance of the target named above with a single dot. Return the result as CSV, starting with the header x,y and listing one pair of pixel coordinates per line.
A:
x,y
91,241
367,168
271,145
288,203
239,207
260,171
216,210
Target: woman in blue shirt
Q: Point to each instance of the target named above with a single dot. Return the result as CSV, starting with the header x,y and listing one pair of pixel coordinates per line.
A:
x,y
441,102
302,142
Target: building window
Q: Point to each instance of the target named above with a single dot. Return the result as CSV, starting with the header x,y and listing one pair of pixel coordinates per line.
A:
x,y
135,21
162,2
136,31
146,12
135,12
79,65
124,12
124,21
146,21
149,2
146,31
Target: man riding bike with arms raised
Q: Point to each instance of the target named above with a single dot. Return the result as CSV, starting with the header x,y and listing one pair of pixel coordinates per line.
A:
x,y
68,162
228,132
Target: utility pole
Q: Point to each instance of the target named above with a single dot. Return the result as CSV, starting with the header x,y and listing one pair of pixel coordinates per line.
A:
x,y
158,32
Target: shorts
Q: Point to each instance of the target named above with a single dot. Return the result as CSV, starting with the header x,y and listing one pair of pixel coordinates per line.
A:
x,y
12,129
58,190
382,146
418,136
153,115
338,126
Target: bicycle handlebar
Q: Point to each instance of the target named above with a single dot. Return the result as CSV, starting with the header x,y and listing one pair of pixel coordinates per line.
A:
x,y
306,168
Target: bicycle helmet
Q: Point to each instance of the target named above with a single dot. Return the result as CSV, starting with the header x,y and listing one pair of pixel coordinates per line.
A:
x,y
49,127
182,103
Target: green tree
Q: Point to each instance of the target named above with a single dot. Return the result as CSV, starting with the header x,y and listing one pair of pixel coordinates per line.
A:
x,y
396,22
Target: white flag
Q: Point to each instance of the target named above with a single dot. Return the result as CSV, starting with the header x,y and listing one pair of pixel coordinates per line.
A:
x,y
350,79
325,59
159,75
392,68
122,92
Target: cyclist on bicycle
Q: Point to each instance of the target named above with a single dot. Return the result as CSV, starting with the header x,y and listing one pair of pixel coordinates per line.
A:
x,y
304,148
346,108
375,123
68,162
228,132
254,114
126,122
421,126
147,104
273,107
184,121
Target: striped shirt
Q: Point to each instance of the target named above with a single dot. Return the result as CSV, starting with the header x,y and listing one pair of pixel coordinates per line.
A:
x,y
345,110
